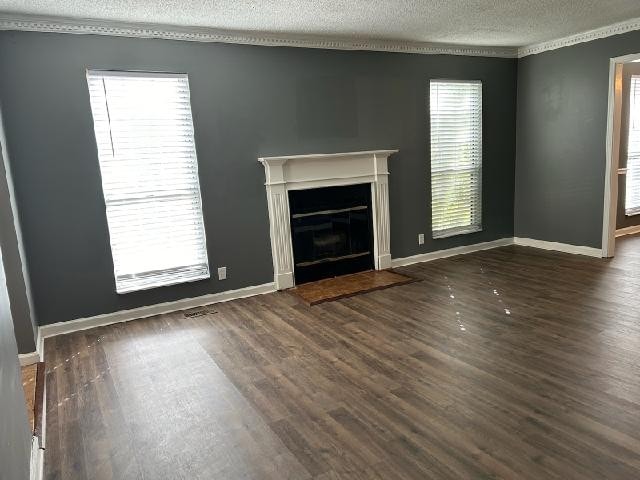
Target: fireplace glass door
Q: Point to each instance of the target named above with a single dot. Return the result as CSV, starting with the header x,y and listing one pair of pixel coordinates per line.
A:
x,y
331,231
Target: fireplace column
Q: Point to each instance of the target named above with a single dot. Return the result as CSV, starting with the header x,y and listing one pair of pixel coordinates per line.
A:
x,y
380,201
280,226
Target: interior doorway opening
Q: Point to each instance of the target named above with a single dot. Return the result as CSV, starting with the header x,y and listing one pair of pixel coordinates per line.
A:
x,y
621,214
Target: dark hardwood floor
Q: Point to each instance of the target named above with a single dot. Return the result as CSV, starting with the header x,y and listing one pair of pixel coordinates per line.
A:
x,y
511,363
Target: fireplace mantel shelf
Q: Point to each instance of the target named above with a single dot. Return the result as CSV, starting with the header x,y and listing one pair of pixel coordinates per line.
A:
x,y
298,172
316,156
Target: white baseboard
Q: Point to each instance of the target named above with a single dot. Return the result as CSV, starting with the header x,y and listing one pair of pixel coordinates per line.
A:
x,y
70,326
526,242
33,357
40,346
62,328
37,460
628,231
43,436
450,252
559,247
28,358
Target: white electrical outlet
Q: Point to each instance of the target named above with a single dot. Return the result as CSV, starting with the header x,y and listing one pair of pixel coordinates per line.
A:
x,y
421,239
222,273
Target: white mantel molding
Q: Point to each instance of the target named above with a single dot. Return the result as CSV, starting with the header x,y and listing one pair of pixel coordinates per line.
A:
x,y
297,172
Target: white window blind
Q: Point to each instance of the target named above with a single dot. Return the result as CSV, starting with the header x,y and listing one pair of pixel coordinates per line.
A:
x,y
456,157
146,150
632,196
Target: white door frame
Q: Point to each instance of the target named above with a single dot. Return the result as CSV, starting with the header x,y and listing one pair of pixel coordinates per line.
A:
x,y
614,120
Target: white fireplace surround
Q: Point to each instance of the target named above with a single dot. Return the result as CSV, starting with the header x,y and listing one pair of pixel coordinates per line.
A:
x,y
299,172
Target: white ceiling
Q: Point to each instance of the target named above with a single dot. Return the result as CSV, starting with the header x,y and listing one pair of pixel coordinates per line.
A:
x,y
468,22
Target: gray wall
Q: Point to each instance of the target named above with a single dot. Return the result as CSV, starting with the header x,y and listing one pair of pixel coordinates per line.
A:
x,y
14,257
247,102
622,220
562,122
15,439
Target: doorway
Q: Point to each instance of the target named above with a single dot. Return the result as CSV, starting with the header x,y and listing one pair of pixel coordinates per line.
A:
x,y
621,214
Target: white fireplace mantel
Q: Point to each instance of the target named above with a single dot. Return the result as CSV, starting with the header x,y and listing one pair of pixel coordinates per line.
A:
x,y
299,172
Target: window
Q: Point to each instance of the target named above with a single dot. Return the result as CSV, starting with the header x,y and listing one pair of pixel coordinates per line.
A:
x,y
148,163
632,197
456,157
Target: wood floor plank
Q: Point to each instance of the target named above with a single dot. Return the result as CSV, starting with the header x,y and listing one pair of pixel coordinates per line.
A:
x,y
510,363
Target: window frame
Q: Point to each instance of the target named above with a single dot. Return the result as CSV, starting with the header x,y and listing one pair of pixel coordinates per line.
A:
x,y
476,224
197,195
632,212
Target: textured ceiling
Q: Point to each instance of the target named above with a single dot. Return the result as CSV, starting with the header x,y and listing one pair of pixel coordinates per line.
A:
x,y
470,22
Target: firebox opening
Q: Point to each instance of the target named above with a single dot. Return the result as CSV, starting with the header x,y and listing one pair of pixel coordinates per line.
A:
x,y
332,231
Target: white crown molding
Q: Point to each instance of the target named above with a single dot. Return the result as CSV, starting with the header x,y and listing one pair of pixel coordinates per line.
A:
x,y
29,23
603,32
199,34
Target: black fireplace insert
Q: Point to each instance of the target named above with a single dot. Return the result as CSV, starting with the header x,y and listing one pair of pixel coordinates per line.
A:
x,y
332,231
